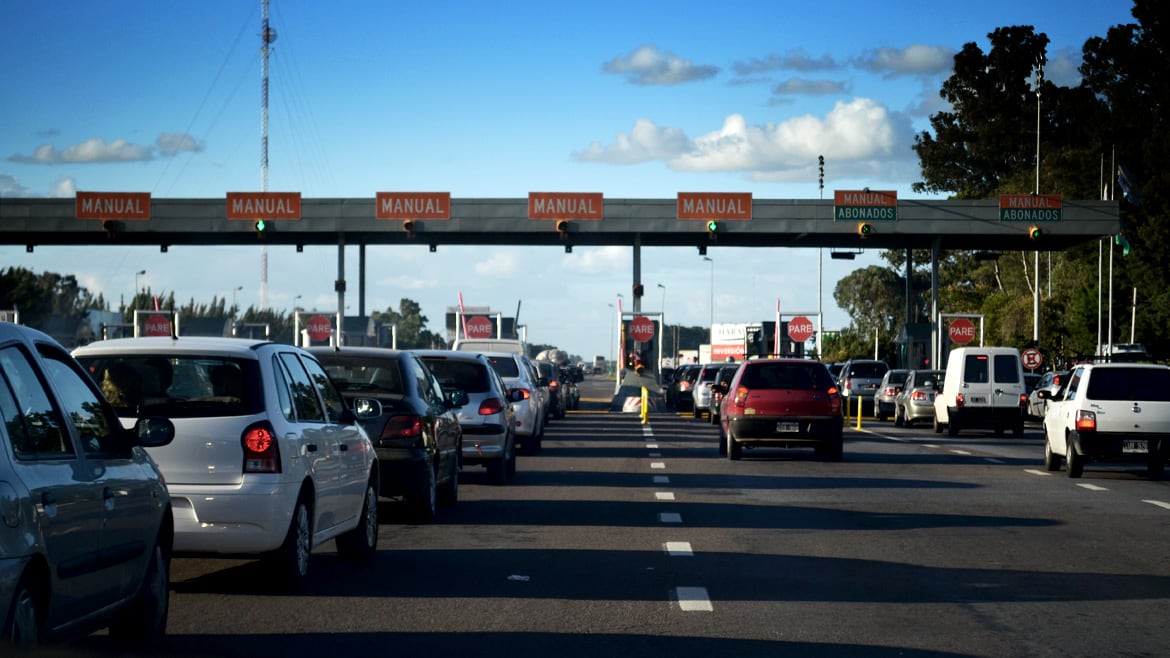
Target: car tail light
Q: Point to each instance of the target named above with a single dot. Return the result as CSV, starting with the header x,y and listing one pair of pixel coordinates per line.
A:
x,y
741,395
1086,421
848,384
684,386
524,393
261,450
402,427
889,392
1023,400
553,385
918,396
959,400
490,407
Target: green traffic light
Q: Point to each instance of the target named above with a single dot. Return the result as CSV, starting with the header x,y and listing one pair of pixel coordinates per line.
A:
x,y
261,225
712,226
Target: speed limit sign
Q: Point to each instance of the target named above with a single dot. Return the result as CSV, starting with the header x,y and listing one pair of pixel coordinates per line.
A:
x,y
1031,358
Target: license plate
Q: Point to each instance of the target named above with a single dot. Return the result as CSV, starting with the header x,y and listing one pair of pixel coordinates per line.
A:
x,y
1140,446
787,427
980,400
870,387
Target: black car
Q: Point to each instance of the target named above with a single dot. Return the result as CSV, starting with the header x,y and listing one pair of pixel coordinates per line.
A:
x,y
719,389
418,439
678,393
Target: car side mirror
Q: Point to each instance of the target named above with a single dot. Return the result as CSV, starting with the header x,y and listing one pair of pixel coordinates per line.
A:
x,y
457,398
366,408
154,431
517,395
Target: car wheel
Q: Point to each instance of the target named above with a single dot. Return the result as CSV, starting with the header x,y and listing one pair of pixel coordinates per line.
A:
x,y
1051,459
145,620
696,412
734,449
448,493
1075,463
832,450
423,501
1156,466
511,467
361,542
290,562
1018,428
497,469
952,428
722,441
23,628
938,427
898,422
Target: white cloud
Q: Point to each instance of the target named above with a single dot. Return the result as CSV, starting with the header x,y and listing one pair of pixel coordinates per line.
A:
x,y
861,133
64,188
802,86
793,60
502,262
90,151
917,59
174,143
648,65
10,187
599,259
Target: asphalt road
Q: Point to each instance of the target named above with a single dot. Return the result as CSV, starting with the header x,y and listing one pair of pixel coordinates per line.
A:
x,y
622,539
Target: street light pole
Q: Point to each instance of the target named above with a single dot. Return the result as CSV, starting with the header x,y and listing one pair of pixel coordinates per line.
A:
x,y
611,325
137,285
711,305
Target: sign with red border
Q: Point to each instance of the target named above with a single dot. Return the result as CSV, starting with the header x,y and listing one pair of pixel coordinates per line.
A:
x,y
566,205
113,205
263,205
413,205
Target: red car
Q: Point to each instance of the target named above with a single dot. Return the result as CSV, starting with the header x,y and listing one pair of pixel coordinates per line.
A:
x,y
782,403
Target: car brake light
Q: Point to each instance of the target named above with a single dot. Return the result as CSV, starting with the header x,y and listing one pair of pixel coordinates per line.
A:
x,y
959,400
490,407
833,391
1023,400
741,394
684,386
1086,421
402,427
553,384
848,384
890,392
261,451
918,395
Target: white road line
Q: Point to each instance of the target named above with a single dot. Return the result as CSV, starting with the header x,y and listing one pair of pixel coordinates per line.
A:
x,y
960,452
679,549
664,495
651,446
1034,471
1091,487
929,445
657,465
661,479
647,430
693,599
655,454
1158,503
993,460
669,517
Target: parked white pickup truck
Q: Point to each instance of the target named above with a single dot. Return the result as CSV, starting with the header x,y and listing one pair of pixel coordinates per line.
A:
x,y
1109,412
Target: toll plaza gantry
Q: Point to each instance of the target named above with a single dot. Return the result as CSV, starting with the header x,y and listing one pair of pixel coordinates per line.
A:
x,y
852,221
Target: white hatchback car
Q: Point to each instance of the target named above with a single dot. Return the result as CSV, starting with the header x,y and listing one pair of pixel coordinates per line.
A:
x,y
519,376
267,459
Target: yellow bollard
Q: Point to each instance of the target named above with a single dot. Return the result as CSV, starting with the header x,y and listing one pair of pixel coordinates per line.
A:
x,y
859,405
645,406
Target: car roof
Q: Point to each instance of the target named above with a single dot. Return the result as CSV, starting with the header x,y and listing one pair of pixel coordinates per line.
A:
x,y
453,355
245,347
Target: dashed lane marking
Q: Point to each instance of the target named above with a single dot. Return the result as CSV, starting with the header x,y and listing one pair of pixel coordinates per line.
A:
x,y
993,460
1037,472
693,599
1158,503
661,479
655,454
670,517
960,452
657,465
1091,487
652,446
679,549
664,495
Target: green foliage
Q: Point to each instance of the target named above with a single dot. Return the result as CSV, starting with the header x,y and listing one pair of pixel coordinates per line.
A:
x,y
411,323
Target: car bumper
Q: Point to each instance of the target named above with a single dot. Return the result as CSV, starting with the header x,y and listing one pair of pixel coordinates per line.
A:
x,y
1119,447
985,417
785,430
920,411
403,470
483,442
229,520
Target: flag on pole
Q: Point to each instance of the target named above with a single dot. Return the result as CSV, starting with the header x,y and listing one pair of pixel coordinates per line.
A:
x,y
1129,190
462,315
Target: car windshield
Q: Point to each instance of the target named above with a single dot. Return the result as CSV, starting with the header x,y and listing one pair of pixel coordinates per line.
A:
x,y
1129,384
355,373
868,370
180,387
505,366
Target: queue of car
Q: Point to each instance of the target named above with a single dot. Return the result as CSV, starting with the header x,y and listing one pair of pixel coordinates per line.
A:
x,y
230,447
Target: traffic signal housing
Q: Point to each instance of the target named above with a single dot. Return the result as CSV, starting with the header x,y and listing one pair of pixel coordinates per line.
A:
x,y
712,228
1034,232
563,228
261,226
408,226
864,229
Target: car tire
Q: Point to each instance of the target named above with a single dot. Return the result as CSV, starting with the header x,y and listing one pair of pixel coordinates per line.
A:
x,y
1074,463
1051,459
1018,428
144,622
1156,467
24,627
833,450
290,562
722,441
447,494
952,428
361,542
696,412
511,466
734,449
938,427
423,502
497,469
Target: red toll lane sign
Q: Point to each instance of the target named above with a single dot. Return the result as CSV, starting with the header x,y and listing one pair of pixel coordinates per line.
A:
x,y
157,325
961,331
566,205
263,205
479,327
113,205
800,329
714,205
319,328
1031,358
414,205
641,329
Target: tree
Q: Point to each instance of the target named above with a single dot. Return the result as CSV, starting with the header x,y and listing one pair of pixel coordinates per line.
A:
x,y
411,326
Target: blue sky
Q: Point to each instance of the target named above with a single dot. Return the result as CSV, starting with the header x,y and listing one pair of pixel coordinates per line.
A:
x,y
488,100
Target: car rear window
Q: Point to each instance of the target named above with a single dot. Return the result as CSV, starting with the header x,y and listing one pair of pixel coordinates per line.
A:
x,y
797,376
868,370
505,366
178,386
467,375
358,373
1149,384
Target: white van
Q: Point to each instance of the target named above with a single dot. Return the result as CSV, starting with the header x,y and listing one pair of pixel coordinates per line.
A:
x,y
983,388
510,345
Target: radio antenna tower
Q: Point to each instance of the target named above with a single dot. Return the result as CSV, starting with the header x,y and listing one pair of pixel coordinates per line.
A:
x,y
267,36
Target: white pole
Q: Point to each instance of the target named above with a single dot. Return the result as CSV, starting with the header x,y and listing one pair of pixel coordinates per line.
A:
x,y
1133,314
